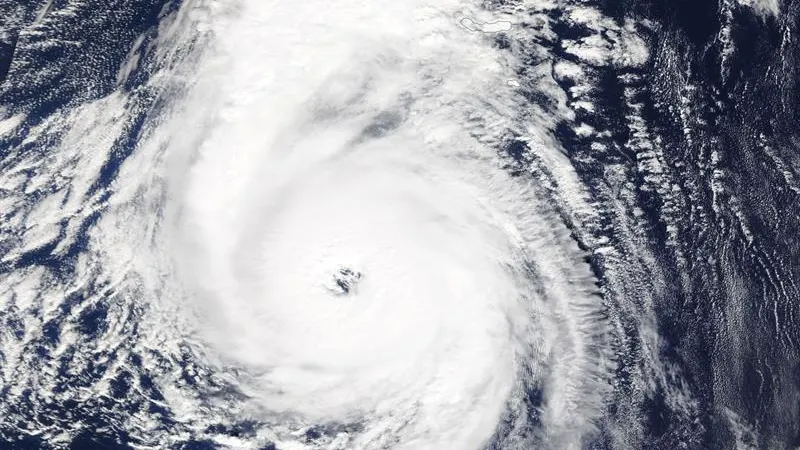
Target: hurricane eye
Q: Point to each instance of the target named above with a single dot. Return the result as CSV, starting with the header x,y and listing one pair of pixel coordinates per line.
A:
x,y
345,281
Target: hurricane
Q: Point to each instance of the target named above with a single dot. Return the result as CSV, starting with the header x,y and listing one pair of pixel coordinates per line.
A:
x,y
416,225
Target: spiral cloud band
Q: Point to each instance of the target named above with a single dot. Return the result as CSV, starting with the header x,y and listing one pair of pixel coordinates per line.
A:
x,y
331,225
352,236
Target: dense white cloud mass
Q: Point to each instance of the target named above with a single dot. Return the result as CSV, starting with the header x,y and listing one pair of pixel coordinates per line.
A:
x,y
318,208
346,233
